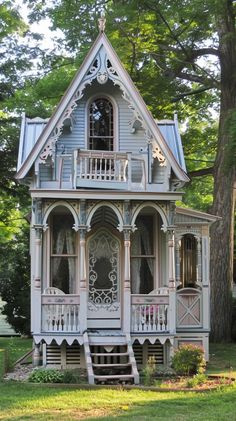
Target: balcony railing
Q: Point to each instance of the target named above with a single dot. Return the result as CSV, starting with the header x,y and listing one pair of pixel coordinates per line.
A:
x,y
150,313
108,169
60,313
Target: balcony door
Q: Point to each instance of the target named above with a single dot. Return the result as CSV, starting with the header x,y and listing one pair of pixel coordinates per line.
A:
x,y
104,308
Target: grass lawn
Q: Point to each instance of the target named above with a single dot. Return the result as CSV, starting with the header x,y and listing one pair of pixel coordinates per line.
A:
x,y
222,360
44,403
22,401
16,347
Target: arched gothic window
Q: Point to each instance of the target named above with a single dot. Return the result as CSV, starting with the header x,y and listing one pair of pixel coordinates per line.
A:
x,y
101,125
63,250
142,255
188,261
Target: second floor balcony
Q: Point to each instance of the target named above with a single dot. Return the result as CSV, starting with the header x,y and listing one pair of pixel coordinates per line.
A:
x,y
98,169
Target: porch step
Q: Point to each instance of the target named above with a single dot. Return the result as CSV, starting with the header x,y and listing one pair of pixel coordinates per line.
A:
x,y
109,354
119,377
113,365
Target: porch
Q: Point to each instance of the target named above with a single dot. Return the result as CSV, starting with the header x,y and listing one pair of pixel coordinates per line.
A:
x,y
148,314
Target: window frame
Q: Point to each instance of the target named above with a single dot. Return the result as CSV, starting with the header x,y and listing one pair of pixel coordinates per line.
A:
x,y
154,256
115,120
52,255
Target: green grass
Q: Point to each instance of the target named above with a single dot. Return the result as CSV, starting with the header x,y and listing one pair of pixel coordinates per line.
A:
x,y
64,404
15,348
36,402
222,360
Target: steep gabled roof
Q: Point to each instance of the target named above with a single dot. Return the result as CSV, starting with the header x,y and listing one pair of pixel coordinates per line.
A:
x,y
69,97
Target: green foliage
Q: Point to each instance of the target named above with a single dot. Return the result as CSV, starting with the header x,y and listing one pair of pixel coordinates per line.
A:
x,y
41,375
149,371
46,376
197,380
188,360
15,281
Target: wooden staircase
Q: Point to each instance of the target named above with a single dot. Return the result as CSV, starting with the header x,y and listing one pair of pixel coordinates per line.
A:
x,y
109,358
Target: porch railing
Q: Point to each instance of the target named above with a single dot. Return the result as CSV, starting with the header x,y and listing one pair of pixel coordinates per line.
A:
x,y
150,313
189,308
60,313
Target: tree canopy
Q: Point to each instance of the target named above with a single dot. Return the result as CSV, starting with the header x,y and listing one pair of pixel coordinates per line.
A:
x,y
181,59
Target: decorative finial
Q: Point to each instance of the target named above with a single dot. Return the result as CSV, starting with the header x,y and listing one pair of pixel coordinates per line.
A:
x,y
102,22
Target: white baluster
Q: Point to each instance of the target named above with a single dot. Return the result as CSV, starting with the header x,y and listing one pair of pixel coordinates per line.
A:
x,y
139,317
149,327
154,318
74,318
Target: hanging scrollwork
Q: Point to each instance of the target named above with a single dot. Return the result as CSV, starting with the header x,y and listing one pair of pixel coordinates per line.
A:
x,y
157,153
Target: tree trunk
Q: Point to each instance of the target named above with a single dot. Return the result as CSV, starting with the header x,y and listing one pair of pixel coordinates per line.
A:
x,y
224,178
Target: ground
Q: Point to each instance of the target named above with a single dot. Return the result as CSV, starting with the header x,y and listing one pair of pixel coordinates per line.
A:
x,y
44,402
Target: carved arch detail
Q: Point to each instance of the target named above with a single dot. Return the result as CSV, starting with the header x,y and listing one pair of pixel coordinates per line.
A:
x,y
109,205
63,204
152,205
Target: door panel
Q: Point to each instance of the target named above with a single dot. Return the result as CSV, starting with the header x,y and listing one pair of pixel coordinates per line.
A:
x,y
104,280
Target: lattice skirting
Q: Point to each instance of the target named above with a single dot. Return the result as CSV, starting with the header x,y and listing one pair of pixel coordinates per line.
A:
x,y
146,350
62,356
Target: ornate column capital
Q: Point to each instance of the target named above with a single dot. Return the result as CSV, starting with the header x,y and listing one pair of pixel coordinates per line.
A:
x,y
83,229
38,230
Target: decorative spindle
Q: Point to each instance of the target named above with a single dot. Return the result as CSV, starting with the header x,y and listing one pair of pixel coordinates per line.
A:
x,y
102,22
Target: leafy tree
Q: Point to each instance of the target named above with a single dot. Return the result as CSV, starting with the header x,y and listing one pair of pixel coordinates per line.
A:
x,y
181,57
15,281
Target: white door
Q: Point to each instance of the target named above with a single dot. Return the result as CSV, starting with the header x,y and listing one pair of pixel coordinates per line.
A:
x,y
104,281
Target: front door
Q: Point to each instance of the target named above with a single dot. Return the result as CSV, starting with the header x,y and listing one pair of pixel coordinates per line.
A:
x,y
104,281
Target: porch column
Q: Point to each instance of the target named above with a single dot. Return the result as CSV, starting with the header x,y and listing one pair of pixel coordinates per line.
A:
x,y
36,293
171,280
127,290
199,262
205,277
83,281
177,256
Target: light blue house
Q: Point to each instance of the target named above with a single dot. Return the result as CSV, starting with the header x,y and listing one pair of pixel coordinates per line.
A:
x,y
119,273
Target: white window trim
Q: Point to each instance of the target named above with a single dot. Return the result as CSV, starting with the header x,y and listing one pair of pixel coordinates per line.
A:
x,y
115,119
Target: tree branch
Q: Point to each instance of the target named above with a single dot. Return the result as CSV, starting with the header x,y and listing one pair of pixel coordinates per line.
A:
x,y
201,172
193,92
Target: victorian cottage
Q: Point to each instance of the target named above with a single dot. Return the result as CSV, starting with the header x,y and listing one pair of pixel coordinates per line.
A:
x,y
119,273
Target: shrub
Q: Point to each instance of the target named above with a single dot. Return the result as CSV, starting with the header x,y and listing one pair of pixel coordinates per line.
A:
x,y
196,380
42,375
164,371
71,376
189,360
149,371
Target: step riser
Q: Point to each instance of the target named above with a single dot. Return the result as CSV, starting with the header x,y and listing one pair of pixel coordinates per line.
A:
x,y
114,365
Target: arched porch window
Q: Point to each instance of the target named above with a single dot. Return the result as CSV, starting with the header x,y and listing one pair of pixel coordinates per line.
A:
x,y
63,250
188,265
101,125
142,255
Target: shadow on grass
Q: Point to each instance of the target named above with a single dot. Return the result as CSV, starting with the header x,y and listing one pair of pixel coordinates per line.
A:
x,y
26,402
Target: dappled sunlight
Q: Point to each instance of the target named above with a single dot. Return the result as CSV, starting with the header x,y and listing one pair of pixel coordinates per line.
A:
x,y
35,402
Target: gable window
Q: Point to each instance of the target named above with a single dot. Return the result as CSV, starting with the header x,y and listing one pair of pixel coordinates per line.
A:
x,y
63,251
142,256
101,125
